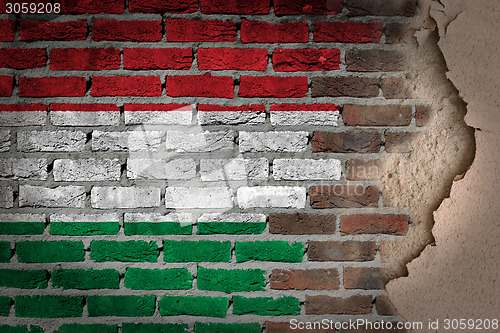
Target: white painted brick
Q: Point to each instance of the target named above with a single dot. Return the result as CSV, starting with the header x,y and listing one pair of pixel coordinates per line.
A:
x,y
158,218
6,197
125,197
183,142
306,169
85,118
279,142
232,217
4,140
22,118
272,196
158,117
86,170
234,169
23,168
198,197
231,117
126,141
111,217
301,118
22,218
59,197
160,169
54,141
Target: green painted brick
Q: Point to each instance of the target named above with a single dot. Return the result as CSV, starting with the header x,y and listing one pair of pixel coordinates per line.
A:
x,y
121,306
5,252
184,251
86,279
269,251
24,279
227,328
231,280
84,228
157,228
130,251
20,329
266,306
5,305
204,306
87,328
48,306
230,228
59,251
154,328
156,279
22,228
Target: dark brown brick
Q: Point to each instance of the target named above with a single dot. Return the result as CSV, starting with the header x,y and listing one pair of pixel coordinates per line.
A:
x,y
341,251
354,305
363,278
374,60
377,115
422,115
391,224
316,279
381,7
400,142
384,306
301,224
345,86
396,88
398,33
351,142
343,196
362,170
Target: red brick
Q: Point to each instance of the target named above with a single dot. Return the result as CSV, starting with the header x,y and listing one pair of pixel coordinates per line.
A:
x,y
304,107
84,59
354,305
377,115
127,31
151,59
22,58
200,86
263,32
362,170
374,224
341,251
83,107
273,86
251,108
299,7
400,142
181,30
350,142
92,6
6,85
23,107
236,59
384,306
66,86
158,107
146,86
53,31
422,115
345,86
343,196
290,60
347,32
7,30
393,87
315,279
375,60
381,7
162,6
363,278
246,7
301,224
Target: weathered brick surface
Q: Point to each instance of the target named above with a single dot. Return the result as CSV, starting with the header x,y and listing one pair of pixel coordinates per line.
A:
x,y
317,279
86,170
200,86
91,59
151,59
353,305
18,58
53,31
84,114
126,141
181,30
234,169
231,115
374,60
285,60
272,141
306,169
349,142
45,141
300,224
343,196
302,114
357,169
23,168
283,7
201,197
272,196
235,7
273,86
125,197
381,8
161,7
158,114
6,85
133,31
228,58
347,32
400,142
377,115
341,251
363,278
69,86
345,86
59,197
262,32
160,169
374,224
199,142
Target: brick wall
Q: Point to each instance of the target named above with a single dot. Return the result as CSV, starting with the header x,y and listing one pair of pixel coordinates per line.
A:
x,y
207,166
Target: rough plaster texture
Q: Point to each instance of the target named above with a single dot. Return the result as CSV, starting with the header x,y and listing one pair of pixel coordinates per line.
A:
x,y
457,276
